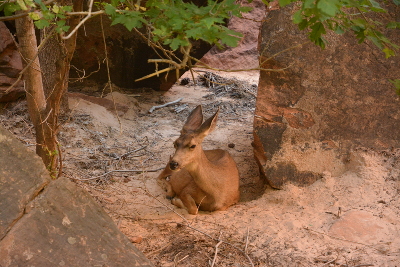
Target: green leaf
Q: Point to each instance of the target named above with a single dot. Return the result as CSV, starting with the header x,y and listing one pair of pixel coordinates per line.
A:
x,y
110,10
283,3
318,29
115,3
34,16
176,43
42,23
56,9
210,21
388,52
130,19
338,29
376,7
230,40
22,5
308,4
376,41
396,2
10,8
393,25
320,42
41,5
396,84
303,24
229,37
328,7
297,17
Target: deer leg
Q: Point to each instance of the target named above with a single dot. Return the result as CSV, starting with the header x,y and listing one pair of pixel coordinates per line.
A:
x,y
186,201
190,204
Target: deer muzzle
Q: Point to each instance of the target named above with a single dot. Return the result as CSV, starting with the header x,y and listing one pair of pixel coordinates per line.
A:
x,y
173,165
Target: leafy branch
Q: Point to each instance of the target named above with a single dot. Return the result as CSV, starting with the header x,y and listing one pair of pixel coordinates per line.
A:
x,y
339,16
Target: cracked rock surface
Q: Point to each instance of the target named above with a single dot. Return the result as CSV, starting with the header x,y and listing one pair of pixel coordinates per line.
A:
x,y
45,222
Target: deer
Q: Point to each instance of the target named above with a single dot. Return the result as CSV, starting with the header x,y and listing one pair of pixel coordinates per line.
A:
x,y
198,179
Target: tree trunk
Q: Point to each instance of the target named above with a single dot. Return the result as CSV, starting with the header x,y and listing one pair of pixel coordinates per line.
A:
x,y
45,137
44,105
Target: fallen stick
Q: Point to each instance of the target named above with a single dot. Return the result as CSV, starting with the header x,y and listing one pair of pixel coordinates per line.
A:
x,y
164,105
104,174
216,252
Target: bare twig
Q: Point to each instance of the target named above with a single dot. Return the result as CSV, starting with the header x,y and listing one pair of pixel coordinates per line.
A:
x,y
216,252
108,73
247,240
155,74
164,105
130,152
88,16
84,76
104,174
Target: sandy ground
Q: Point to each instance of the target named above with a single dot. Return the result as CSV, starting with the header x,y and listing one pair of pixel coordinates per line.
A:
x,y
351,220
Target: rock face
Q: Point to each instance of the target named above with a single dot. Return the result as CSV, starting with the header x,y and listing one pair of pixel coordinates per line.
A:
x,y
127,53
46,222
313,116
10,66
245,55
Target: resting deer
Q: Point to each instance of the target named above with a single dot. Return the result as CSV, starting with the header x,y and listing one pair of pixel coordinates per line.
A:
x,y
200,179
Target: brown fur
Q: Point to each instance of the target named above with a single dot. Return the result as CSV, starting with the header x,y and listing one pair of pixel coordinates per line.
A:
x,y
203,179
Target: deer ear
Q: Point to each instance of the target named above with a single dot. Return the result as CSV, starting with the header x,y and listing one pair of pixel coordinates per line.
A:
x,y
194,120
209,125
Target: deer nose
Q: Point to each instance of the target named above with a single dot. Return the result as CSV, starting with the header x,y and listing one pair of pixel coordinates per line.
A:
x,y
173,165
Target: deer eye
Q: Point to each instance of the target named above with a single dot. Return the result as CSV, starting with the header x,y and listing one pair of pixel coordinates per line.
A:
x,y
193,146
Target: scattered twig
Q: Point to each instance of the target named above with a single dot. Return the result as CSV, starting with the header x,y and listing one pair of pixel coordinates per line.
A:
x,y
181,108
176,262
332,261
247,241
130,152
216,252
104,174
164,105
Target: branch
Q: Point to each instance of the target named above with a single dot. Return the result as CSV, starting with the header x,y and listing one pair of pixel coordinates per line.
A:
x,y
164,105
216,252
154,74
21,15
88,16
176,66
104,174
14,17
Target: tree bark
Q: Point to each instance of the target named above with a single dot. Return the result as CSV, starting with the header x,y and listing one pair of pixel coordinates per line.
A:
x,y
44,105
37,108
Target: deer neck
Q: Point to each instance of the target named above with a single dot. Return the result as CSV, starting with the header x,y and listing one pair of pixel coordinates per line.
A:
x,y
203,174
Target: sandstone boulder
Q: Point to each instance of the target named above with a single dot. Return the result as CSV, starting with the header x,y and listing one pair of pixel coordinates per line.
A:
x,y
312,116
46,222
245,55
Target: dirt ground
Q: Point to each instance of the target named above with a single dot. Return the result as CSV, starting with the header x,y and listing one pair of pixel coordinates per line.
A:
x,y
351,220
